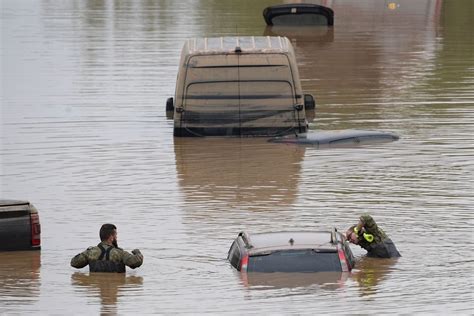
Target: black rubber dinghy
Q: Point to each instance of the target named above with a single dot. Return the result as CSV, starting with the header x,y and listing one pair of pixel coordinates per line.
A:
x,y
299,14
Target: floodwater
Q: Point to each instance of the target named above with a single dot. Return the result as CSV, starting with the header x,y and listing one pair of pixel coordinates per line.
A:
x,y
84,136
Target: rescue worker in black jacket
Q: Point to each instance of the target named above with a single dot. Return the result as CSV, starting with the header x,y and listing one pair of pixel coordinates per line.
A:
x,y
107,256
369,236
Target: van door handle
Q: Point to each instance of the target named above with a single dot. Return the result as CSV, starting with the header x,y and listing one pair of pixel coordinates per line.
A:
x,y
179,109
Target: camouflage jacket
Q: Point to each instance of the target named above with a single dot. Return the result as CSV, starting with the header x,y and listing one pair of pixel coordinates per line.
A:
x,y
107,258
370,227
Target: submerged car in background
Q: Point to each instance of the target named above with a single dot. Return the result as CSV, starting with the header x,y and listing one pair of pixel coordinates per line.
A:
x,y
298,14
20,227
341,138
296,251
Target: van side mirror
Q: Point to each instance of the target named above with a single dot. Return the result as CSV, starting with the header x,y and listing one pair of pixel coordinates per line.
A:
x,y
309,103
169,105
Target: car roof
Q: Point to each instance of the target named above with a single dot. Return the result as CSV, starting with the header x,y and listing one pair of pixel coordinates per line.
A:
x,y
262,242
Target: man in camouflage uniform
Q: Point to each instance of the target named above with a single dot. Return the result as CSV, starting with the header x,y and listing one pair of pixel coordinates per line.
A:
x,y
107,256
373,239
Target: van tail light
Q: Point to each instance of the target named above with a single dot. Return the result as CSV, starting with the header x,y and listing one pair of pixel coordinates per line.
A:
x,y
342,259
35,229
244,263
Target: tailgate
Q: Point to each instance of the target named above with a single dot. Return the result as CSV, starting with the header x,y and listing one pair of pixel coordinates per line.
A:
x,y
15,226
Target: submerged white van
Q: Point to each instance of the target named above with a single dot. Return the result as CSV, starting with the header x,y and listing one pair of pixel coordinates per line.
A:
x,y
238,86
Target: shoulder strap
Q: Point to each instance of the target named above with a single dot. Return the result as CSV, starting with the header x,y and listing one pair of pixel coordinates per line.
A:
x,y
107,253
103,253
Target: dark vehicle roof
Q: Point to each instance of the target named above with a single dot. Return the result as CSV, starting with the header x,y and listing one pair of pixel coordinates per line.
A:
x,y
290,240
14,205
298,9
13,202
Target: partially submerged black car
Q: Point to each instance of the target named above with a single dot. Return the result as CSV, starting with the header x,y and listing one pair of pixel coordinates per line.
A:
x,y
20,227
299,14
296,251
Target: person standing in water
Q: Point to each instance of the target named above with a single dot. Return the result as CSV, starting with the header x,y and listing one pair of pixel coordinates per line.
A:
x,y
107,256
369,236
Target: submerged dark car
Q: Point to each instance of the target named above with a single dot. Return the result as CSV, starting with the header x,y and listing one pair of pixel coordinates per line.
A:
x,y
296,251
20,227
298,14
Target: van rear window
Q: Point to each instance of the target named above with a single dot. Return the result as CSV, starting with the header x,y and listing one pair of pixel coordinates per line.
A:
x,y
295,261
227,91
238,68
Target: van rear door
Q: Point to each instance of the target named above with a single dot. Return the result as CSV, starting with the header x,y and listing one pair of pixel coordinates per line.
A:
x,y
240,95
267,95
211,96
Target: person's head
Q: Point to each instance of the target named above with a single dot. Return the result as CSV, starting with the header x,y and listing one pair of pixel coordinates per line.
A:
x,y
351,235
108,233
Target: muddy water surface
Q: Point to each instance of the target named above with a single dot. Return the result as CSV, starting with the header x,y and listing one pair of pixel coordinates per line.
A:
x,y
84,136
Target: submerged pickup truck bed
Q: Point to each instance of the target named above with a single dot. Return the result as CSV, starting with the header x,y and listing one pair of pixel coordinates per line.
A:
x,y
20,228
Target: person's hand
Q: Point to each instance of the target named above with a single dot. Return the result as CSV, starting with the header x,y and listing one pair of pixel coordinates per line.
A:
x,y
348,234
137,252
353,238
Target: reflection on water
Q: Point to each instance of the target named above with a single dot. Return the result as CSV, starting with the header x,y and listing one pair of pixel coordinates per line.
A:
x,y
20,277
229,181
370,272
109,287
233,173
277,280
321,35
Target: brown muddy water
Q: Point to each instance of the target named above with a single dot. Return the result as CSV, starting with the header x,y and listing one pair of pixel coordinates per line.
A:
x,y
84,136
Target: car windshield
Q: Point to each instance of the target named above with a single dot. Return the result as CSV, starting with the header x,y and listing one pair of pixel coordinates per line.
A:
x,y
305,260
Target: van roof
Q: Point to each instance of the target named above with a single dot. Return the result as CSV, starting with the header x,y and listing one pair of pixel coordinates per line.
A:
x,y
230,44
